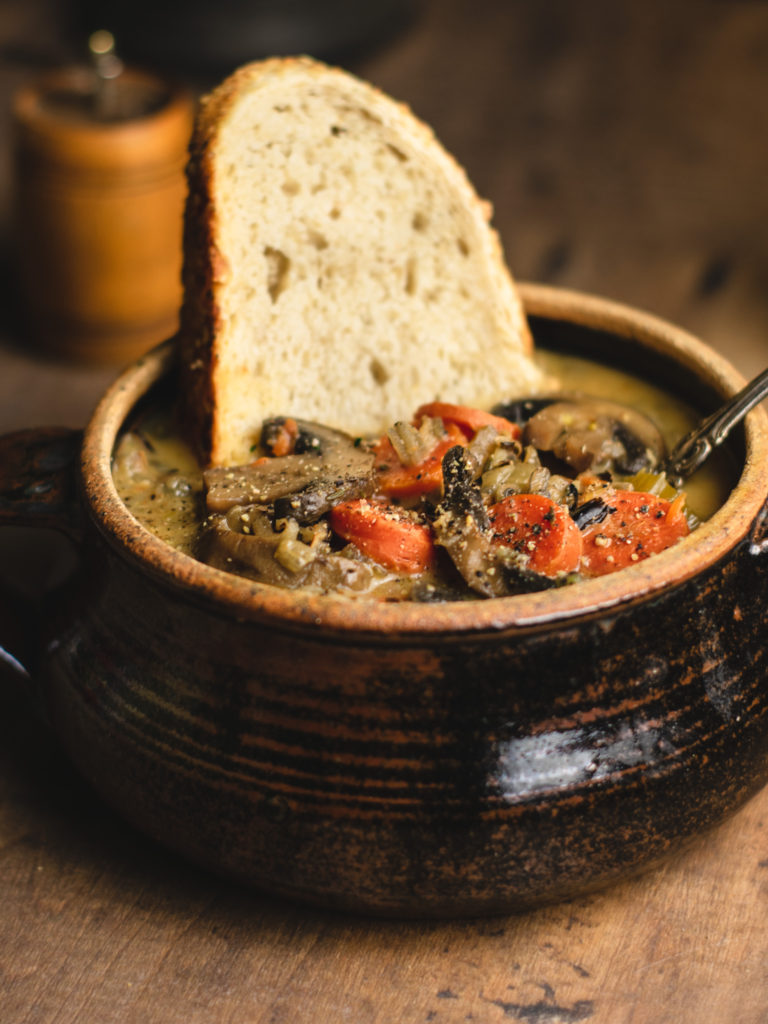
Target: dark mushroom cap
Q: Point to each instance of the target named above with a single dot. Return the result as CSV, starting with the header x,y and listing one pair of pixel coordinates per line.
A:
x,y
598,435
244,539
302,485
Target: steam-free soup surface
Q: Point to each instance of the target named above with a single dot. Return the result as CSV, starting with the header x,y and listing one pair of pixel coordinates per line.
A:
x,y
161,482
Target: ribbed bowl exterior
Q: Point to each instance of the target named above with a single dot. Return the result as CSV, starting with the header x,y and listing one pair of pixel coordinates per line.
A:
x,y
436,775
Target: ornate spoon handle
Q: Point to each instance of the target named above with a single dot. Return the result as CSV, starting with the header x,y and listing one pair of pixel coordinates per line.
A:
x,y
691,451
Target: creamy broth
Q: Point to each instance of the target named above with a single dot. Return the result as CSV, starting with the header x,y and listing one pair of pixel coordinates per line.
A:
x,y
708,488
159,479
161,483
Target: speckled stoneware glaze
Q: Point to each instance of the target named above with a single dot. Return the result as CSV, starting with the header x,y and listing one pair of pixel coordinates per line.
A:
x,y
409,759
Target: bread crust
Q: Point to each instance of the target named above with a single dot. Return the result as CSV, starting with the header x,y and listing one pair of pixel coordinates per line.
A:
x,y
205,267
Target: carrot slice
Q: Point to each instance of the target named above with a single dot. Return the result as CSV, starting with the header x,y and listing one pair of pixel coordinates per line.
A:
x,y
384,533
539,527
398,481
641,525
470,420
284,440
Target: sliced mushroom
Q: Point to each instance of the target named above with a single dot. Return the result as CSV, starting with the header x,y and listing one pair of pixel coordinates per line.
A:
x,y
462,528
597,435
244,540
461,523
327,468
592,511
520,410
243,537
462,496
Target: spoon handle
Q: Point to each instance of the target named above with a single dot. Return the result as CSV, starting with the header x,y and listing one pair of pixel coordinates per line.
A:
x,y
696,446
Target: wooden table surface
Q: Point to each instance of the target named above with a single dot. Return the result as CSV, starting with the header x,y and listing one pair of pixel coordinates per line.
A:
x,y
625,149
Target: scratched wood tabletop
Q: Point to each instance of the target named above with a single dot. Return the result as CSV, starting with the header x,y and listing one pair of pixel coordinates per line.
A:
x,y
625,150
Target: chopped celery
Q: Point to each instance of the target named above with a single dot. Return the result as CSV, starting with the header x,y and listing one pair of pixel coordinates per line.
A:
x,y
657,484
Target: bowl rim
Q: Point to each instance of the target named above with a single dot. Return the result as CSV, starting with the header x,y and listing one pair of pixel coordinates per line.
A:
x,y
250,600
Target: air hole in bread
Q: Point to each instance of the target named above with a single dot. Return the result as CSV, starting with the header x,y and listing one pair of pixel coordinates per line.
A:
x,y
337,130
379,371
317,239
420,221
291,188
282,108
335,213
401,156
463,247
410,276
366,115
278,266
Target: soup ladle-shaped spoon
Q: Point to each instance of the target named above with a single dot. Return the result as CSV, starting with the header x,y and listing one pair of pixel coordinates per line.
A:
x,y
696,446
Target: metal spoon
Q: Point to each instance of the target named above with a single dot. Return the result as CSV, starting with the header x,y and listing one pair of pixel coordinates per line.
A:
x,y
691,451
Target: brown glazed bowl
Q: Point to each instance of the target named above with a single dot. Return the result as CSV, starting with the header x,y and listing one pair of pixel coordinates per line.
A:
x,y
411,759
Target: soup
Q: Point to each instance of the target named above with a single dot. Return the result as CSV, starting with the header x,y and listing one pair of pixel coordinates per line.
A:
x,y
463,504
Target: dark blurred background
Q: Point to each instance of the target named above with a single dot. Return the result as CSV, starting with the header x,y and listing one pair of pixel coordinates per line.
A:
x,y
623,145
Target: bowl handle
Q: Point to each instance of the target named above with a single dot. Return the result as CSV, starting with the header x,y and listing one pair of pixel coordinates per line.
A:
x,y
38,481
38,488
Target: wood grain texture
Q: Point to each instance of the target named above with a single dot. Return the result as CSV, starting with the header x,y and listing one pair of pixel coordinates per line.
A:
x,y
100,925
623,147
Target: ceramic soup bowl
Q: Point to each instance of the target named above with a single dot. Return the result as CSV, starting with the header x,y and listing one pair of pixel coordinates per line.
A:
x,y
411,759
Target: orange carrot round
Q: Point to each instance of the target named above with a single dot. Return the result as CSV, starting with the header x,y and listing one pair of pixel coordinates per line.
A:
x,y
538,527
640,525
468,419
385,533
398,481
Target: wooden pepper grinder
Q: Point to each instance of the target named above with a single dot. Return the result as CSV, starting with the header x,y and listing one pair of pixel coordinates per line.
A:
x,y
100,188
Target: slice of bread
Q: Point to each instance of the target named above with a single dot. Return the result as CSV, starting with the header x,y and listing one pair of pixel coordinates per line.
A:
x,y
338,265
